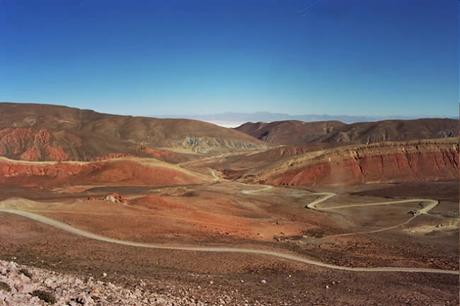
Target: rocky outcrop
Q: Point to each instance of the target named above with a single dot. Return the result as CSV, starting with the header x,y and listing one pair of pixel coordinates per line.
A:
x,y
24,286
115,198
378,163
216,144
27,144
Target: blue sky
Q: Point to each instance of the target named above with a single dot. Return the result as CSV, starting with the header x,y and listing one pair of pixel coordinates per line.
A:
x,y
353,57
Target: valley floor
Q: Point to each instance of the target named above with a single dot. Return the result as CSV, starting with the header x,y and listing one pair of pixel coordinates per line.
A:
x,y
223,214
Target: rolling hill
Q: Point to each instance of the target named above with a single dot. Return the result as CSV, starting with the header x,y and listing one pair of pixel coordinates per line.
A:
x,y
335,132
50,132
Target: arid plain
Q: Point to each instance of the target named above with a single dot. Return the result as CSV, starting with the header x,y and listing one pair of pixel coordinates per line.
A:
x,y
363,214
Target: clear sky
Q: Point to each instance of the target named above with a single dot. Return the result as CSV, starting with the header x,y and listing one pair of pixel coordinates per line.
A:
x,y
348,57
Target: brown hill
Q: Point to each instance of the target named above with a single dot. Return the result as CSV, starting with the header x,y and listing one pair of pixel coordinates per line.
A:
x,y
290,132
426,160
50,132
122,171
394,130
334,132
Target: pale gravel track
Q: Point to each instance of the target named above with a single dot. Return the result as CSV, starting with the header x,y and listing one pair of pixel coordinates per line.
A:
x,y
324,196
265,188
217,249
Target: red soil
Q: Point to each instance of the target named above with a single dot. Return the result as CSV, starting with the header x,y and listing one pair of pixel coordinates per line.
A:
x,y
166,155
26,144
388,167
210,215
111,156
41,145
159,154
153,202
127,172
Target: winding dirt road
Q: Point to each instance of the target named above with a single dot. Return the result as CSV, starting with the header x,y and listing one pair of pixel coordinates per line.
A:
x,y
217,249
324,196
426,206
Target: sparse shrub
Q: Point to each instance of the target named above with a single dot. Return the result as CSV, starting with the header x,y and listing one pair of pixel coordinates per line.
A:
x,y
46,296
189,194
26,273
5,287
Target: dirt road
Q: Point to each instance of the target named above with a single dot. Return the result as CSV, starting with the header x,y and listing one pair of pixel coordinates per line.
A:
x,y
217,249
265,188
424,209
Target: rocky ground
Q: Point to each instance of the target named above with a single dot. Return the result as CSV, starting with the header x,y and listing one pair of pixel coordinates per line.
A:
x,y
23,285
224,213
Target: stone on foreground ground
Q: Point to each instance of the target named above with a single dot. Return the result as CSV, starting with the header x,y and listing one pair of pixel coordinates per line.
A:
x,y
25,286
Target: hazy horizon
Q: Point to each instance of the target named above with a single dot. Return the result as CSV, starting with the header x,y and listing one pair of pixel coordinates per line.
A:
x,y
349,58
235,119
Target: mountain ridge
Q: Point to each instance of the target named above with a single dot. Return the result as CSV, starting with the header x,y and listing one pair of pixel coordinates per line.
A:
x,y
50,132
335,132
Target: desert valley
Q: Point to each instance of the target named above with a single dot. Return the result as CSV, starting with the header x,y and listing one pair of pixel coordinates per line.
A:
x,y
100,209
229,153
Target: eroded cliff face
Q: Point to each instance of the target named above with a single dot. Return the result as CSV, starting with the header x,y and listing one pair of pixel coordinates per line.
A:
x,y
215,144
27,144
386,162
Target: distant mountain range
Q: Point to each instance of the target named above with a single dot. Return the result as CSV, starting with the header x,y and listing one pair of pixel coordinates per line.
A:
x,y
294,132
52,132
233,119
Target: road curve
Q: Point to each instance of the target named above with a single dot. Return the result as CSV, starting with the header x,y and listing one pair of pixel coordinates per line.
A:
x,y
324,196
430,204
278,254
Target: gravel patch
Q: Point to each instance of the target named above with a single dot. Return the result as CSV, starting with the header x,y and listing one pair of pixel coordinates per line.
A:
x,y
42,287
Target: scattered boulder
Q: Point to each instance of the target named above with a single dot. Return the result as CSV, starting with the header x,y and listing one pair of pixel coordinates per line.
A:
x,y
52,288
5,287
25,272
115,198
45,296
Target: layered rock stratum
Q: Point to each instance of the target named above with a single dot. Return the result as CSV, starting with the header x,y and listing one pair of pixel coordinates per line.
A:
x,y
425,160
